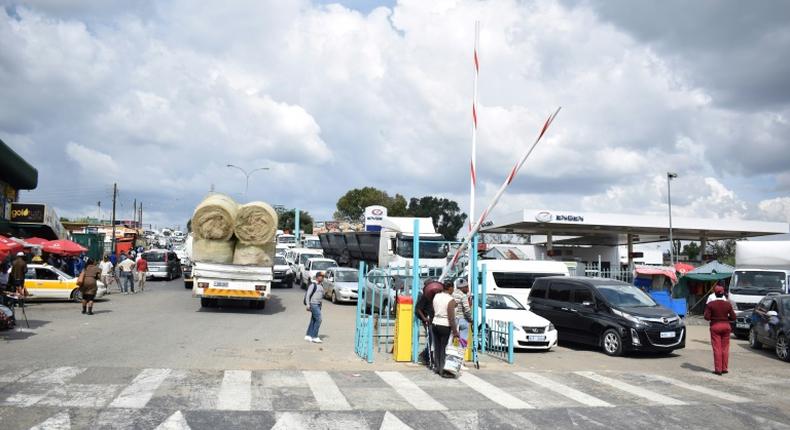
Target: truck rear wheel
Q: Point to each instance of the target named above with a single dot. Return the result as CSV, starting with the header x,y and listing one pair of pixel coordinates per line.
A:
x,y
207,303
257,304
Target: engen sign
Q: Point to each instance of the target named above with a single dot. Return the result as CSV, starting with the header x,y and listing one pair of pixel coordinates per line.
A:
x,y
373,217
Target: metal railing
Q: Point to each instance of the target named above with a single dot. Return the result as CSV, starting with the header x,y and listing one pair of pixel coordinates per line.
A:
x,y
497,340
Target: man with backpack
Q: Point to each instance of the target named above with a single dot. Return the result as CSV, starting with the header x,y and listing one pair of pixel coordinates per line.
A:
x,y
312,300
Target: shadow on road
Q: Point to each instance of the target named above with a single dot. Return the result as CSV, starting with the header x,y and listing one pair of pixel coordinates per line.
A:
x,y
695,368
632,354
273,306
21,331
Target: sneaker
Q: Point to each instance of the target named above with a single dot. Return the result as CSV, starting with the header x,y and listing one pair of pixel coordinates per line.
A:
x,y
317,340
308,338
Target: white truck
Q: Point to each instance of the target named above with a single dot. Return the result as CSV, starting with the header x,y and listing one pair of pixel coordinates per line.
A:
x,y
396,246
214,282
761,267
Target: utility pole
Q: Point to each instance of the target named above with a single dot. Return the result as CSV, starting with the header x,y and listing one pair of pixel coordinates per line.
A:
x,y
134,211
670,177
141,214
114,197
98,215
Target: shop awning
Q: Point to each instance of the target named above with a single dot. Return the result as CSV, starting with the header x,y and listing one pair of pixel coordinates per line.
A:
x,y
713,271
15,171
669,272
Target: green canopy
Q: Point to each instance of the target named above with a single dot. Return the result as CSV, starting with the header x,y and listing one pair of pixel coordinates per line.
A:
x,y
711,272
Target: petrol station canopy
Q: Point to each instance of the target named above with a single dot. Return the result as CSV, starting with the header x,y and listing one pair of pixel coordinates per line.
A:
x,y
608,229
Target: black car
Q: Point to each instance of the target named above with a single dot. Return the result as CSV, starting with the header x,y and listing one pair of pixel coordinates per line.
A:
x,y
609,314
770,325
742,324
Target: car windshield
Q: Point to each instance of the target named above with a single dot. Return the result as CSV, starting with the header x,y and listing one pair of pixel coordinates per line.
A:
x,y
303,259
518,280
501,301
626,296
760,281
154,257
347,276
279,261
312,244
428,249
286,239
323,265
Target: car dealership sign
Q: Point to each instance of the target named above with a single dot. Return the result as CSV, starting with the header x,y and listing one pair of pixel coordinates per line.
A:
x,y
546,216
373,217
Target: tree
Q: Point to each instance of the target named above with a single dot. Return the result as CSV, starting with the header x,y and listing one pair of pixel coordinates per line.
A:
x,y
351,206
723,250
286,220
691,250
446,215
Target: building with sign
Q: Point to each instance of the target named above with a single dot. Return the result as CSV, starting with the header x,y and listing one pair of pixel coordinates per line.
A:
x,y
609,239
23,219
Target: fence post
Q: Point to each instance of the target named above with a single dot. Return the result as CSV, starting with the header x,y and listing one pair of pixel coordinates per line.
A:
x,y
483,300
370,340
415,289
510,342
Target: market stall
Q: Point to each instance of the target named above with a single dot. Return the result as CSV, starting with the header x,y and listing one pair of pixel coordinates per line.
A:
x,y
698,284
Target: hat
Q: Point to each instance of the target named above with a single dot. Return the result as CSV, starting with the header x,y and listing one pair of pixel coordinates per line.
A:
x,y
463,283
719,290
20,254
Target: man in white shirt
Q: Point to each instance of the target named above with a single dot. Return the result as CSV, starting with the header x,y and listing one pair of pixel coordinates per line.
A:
x,y
106,271
127,275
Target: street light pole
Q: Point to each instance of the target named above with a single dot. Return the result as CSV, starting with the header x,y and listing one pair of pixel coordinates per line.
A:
x,y
247,176
670,177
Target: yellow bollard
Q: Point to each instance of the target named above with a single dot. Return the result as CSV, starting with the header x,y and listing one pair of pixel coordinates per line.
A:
x,y
468,352
404,320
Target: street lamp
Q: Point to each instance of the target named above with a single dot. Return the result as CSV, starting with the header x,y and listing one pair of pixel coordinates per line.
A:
x,y
670,177
247,176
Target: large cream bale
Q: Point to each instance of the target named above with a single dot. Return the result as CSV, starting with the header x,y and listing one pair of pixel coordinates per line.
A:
x,y
215,217
213,251
256,223
254,255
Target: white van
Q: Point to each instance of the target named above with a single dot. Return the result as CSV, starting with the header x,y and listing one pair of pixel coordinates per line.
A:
x,y
515,277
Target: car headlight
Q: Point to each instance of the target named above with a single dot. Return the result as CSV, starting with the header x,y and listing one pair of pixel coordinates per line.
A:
x,y
629,317
551,327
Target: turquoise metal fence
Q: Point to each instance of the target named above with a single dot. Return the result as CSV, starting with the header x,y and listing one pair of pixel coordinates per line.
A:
x,y
499,340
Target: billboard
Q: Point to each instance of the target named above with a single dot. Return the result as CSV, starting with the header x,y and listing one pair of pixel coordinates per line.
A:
x,y
36,213
373,217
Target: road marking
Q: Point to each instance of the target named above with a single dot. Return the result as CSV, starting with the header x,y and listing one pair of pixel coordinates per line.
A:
x,y
142,388
235,393
391,422
632,389
410,392
495,394
564,390
174,422
699,389
325,391
58,375
60,421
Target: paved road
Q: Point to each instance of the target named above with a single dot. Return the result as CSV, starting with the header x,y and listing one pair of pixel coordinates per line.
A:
x,y
156,360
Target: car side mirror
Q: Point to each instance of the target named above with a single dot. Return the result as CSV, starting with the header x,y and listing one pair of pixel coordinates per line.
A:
x,y
772,314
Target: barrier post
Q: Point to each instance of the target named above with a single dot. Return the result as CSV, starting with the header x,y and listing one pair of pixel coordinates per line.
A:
x,y
510,342
415,289
484,287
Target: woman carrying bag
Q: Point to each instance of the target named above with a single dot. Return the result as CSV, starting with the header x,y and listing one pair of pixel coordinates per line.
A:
x,y
87,283
443,325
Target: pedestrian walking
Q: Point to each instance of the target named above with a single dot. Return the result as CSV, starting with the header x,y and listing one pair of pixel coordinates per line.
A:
x,y
126,268
18,271
463,312
142,272
313,298
720,313
87,283
443,325
106,272
424,311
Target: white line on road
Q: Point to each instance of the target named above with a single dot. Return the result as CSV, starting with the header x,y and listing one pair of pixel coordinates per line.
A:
x,y
564,390
699,389
632,389
174,422
495,394
235,393
142,388
56,376
325,391
60,421
410,392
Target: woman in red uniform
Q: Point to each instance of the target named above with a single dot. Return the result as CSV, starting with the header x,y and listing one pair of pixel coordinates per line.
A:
x,y
719,312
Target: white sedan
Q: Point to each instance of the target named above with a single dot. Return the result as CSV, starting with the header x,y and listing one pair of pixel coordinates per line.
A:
x,y
530,331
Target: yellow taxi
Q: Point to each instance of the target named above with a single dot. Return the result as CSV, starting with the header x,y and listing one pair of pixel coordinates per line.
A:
x,y
46,282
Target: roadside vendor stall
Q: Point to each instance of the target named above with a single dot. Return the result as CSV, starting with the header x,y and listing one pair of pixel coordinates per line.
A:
x,y
659,282
698,284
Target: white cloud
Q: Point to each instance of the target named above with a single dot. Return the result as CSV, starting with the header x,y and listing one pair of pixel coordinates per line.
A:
x,y
777,209
93,164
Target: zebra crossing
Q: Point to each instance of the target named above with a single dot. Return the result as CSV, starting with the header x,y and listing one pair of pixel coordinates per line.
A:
x,y
74,397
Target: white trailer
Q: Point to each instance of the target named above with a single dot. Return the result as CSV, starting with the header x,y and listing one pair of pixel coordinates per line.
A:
x,y
214,282
761,267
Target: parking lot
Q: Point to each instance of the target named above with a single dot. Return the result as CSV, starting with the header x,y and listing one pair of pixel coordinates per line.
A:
x,y
254,367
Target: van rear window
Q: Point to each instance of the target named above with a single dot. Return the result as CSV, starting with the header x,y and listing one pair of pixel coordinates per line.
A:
x,y
518,280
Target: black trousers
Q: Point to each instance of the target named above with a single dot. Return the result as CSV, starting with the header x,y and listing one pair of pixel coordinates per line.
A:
x,y
441,335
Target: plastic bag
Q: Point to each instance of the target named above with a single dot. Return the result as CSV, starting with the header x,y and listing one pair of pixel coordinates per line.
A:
x,y
454,358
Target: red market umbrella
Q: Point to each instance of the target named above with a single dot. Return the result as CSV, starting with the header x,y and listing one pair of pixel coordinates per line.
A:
x,y
63,247
8,246
36,241
683,268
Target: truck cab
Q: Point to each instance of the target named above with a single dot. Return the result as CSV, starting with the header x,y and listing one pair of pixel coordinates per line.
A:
x,y
396,245
761,267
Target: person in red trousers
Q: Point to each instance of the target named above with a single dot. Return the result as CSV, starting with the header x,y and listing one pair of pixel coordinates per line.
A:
x,y
720,312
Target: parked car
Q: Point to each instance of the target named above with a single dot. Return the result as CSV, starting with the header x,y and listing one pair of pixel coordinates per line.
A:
x,y
530,331
299,258
613,315
46,282
381,288
742,324
770,325
515,277
341,284
283,275
162,264
313,266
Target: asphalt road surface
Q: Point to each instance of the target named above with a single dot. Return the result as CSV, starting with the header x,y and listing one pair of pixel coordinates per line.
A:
x,y
157,360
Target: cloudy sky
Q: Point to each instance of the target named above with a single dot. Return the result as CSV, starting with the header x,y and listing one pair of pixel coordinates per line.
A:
x,y
159,96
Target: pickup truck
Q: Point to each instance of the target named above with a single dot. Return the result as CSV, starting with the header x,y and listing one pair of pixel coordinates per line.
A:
x,y
213,282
